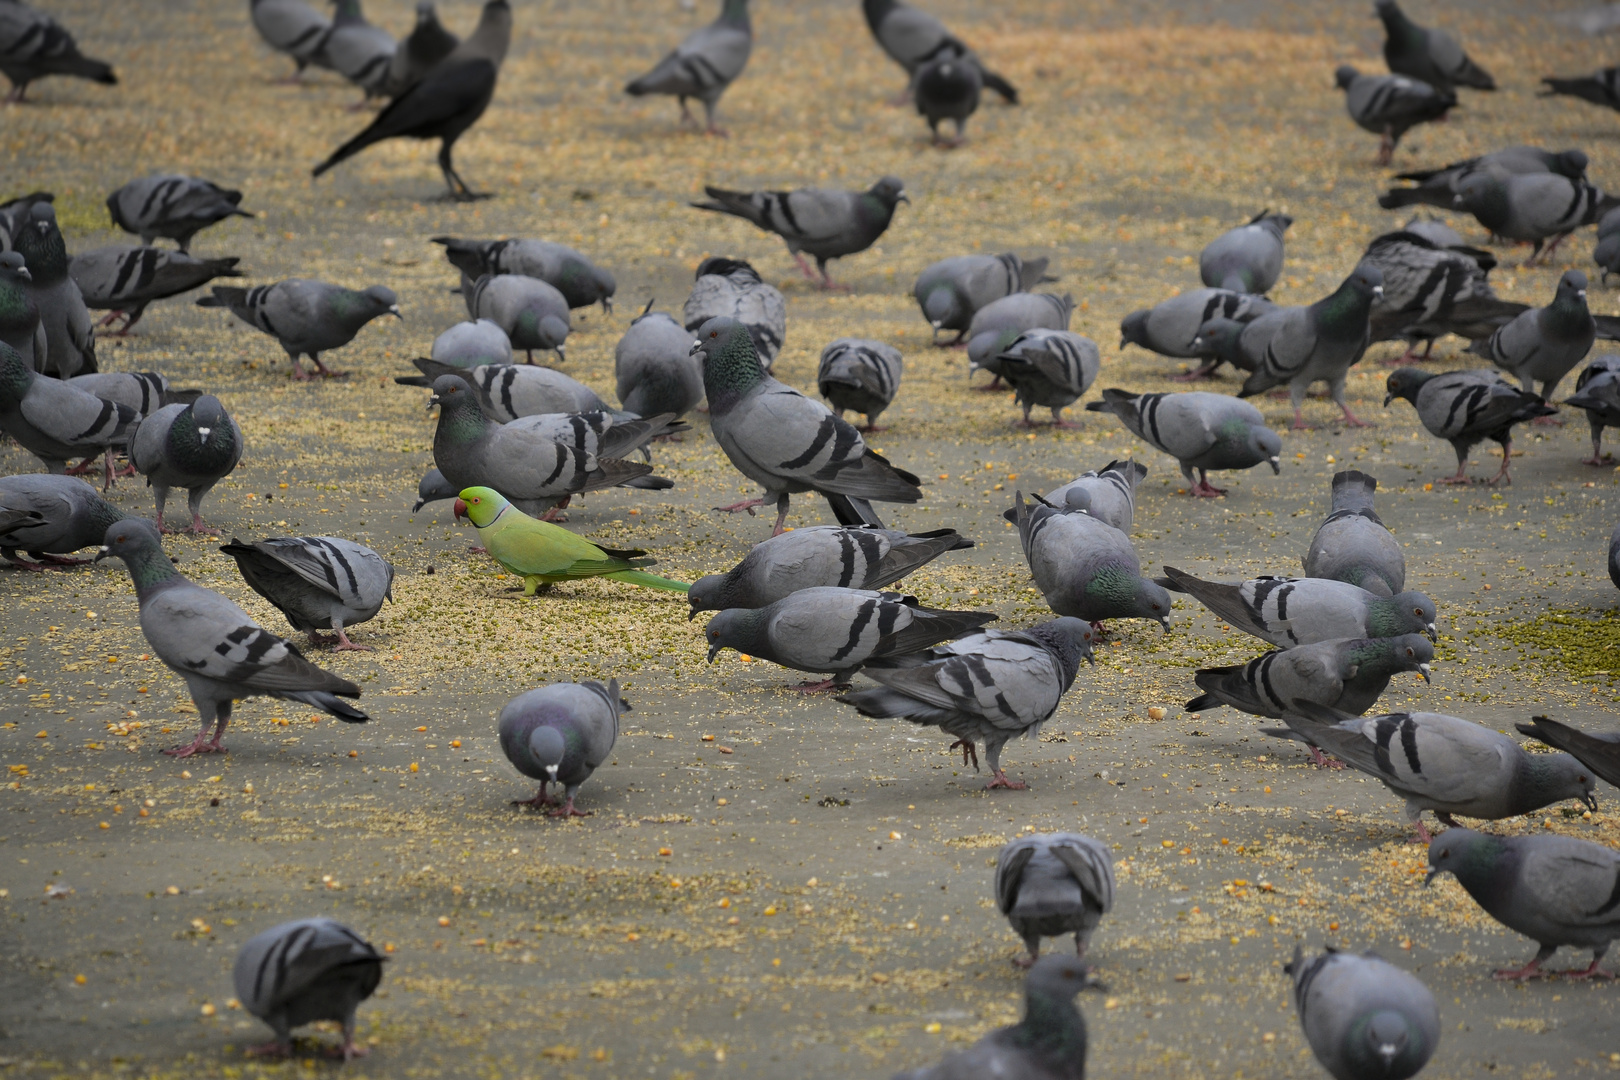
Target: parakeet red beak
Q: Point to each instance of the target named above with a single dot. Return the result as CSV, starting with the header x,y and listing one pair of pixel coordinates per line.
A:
x,y
460,509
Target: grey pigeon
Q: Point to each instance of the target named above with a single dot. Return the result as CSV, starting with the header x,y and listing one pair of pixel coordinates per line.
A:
x,y
1201,431
1247,259
599,433
1353,544
20,324
987,687
220,652
318,582
653,367
533,314
947,87
471,344
33,45
912,37
357,50
445,102
58,516
1390,105
123,280
1365,1018
580,281
14,214
1301,611
508,391
1600,88
951,290
303,971
732,289
1465,407
69,337
427,44
826,223
173,206
1425,53
1440,234
561,734
1086,568
1050,368
145,392
786,442
186,446
1600,753
1597,392
1175,326
821,555
1607,252
1110,493
1303,345
1544,344
704,65
836,630
55,421
1555,890
861,376
433,487
1533,208
306,317
292,27
997,325
1051,884
1439,187
1431,290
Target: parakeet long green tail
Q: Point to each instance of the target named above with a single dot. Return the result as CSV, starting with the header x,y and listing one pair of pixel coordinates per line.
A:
x,y
651,581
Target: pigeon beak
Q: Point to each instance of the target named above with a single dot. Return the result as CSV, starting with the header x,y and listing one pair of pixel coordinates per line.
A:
x,y
101,553
459,510
697,347
1378,291
1091,658
1581,293
560,356
903,198
393,309
714,651
1434,635
1457,200
1428,879
1276,466
419,504
1198,342
22,272
1387,1051
1423,670
551,771
607,305
692,614
432,401
1387,399
1591,801
1165,622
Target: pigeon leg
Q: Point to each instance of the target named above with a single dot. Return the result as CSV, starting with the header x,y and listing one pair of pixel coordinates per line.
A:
x,y
1386,149
111,317
107,471
194,504
1322,761
1592,971
737,508
827,283
459,191
871,427
1424,836
1025,422
298,372
202,744
819,687
781,514
349,1051
343,642
994,387
84,466
323,371
540,798
1502,477
804,267
1032,942
160,493
1597,447
567,809
711,128
275,1049
968,750
1207,371
1204,489
998,779
687,119
1532,970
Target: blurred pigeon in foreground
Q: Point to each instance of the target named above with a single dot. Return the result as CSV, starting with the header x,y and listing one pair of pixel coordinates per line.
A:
x,y
1439,187
1051,884
951,290
1201,431
123,280
703,65
1533,208
1086,568
653,367
306,317
1431,55
175,207
948,88
732,289
1601,88
580,281
357,50
1247,259
1177,327
1431,290
55,421
561,734
1353,544
1597,391
318,582
70,340
1364,1017
860,375
532,312
1109,493
428,43
60,515
1600,753
291,27
1544,344
34,45
912,37
186,446
1466,407
1390,105
303,971
1299,611
1049,368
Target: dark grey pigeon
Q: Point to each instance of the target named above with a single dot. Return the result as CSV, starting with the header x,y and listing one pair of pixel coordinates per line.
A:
x,y
1465,408
508,391
653,367
1353,544
786,442
174,206
433,487
951,290
1201,431
857,557
836,630
186,446
52,516
1390,105
580,281
1051,884
1247,259
825,223
732,289
1534,208
471,344
1301,611
533,313
357,50
1439,187
123,280
427,44
1431,290
221,653
1601,88
1607,252
997,325
561,734
20,325
303,971
14,214
1174,327
1597,391
861,376
1086,568
912,37
306,317
1428,54
70,340
1544,344
703,65
947,87
1600,753
56,422
1049,368
318,582
1555,890
1364,1018
987,687
33,45
292,27
1110,493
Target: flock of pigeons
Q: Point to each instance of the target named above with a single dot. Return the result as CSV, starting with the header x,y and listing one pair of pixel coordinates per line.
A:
x,y
515,442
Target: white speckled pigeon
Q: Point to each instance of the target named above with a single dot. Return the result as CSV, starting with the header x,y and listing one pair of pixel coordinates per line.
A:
x,y
123,280
1597,392
1600,753
1110,493
732,289
292,27
303,971
1428,54
33,45
58,515
1201,431
1390,105
1247,259
532,312
1299,611
1439,187
174,206
1178,327
1051,884
860,375
704,65
951,290
561,734
70,339
580,281
653,366
306,317
1544,344
186,446
55,421
318,582
1465,407
1364,1018
1353,544
1049,368
1086,568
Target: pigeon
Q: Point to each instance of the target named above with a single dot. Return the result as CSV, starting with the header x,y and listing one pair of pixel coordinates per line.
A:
x,y
1597,391
561,734
471,344
302,971
703,65
508,391
912,38
123,280
1465,407
1531,208
20,325
292,27
1600,88
1544,344
1175,326
827,223
580,281
987,687
836,630
1432,56
1110,493
55,421
997,325
533,314
821,556
1390,105
358,51
173,206
1322,342
446,101
144,392
860,375
1353,544
53,516
951,290
1607,252
1247,259
318,582
33,45
1363,1016
732,289
187,446
653,367
1430,290
786,442
1302,611
14,214
1439,187
1201,431
1050,368
1086,568
428,43
1614,558
604,434
1555,890
306,317
1600,753
433,487
947,87
69,337
1051,884
220,652
1440,234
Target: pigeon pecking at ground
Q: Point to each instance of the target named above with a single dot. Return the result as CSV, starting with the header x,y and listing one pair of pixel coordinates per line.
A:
x,y
580,281
1051,884
533,313
1544,344
70,339
561,734
57,422
1597,392
1247,259
998,324
123,280
1353,544
303,971
1201,431
1533,208
1425,53
306,317
952,290
1439,187
191,446
1363,1016
292,27
1390,105
1600,753
1179,327
33,46
1109,493
1431,290
471,344
1465,408
1084,567
318,582
859,375
653,367
1299,611
733,289
53,516
173,206
1601,88
912,37
704,65
1049,368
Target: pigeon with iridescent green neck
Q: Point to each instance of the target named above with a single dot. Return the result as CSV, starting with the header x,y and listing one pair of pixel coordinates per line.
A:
x,y
1348,674
306,317
186,446
60,515
70,339
1086,568
1365,1018
1299,611
55,421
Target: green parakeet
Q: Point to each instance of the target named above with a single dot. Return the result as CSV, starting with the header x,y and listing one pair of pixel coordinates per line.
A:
x,y
542,553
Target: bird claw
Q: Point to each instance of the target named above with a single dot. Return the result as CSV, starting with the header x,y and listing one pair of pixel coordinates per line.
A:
x,y
269,1050
999,780
819,687
1205,490
1532,970
1024,961
198,747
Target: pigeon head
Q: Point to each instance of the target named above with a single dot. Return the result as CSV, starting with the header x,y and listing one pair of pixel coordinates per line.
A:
x,y
451,391
40,243
1077,500
1062,977
480,505
1554,777
1133,595
724,267
12,265
1470,856
548,748
1571,289
730,362
42,218
1403,613
432,488
1268,445
138,543
1571,163
1405,382
1380,1040
1484,195
383,301
1276,224
1133,328
1220,338
1388,655
889,191
1344,76
734,628
707,593
987,345
1070,640
942,305
605,286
